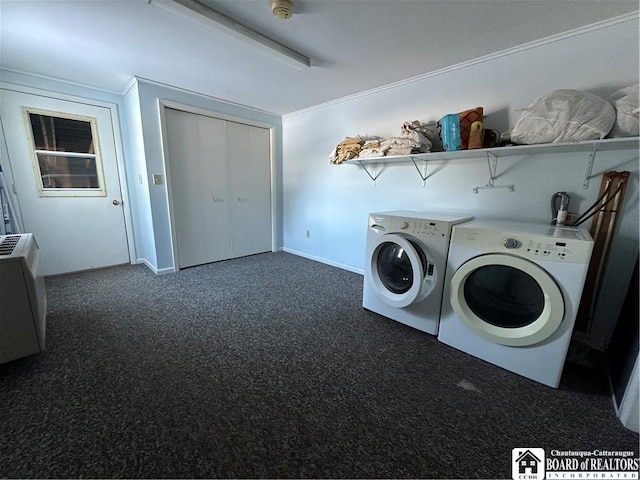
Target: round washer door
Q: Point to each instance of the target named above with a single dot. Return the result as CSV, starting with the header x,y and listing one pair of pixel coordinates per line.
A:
x,y
507,299
397,267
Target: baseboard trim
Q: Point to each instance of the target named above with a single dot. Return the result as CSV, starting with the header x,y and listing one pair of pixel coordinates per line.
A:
x,y
154,269
324,260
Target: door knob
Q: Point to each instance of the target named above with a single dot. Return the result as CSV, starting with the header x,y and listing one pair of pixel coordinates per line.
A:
x,y
116,202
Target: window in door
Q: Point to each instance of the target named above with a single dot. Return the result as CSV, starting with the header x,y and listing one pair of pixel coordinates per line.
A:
x,y
66,154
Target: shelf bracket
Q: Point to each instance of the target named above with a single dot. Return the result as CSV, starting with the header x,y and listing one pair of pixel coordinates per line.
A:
x,y
423,174
373,176
589,168
492,162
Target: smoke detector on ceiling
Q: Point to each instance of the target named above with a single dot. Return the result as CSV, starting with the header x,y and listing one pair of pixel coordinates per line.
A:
x,y
282,8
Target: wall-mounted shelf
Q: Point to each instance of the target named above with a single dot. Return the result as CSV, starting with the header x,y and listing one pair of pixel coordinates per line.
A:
x,y
590,148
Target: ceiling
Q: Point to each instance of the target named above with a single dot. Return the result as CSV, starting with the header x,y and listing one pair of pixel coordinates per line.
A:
x,y
354,45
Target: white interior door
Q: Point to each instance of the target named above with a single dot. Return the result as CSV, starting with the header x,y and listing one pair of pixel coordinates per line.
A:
x,y
248,153
77,219
196,146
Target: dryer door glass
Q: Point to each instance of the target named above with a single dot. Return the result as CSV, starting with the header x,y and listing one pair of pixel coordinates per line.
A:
x,y
507,299
504,296
394,267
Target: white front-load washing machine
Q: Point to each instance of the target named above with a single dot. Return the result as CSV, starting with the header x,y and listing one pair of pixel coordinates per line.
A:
x,y
512,292
405,265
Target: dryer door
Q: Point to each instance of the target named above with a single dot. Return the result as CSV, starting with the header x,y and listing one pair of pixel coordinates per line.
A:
x,y
508,300
401,270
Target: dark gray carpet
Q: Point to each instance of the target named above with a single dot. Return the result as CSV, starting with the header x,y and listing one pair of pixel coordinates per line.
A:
x,y
268,366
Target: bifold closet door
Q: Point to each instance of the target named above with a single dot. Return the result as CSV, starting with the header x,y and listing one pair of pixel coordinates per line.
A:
x,y
220,187
198,166
249,167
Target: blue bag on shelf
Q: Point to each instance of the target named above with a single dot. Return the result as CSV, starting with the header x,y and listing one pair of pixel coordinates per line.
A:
x,y
449,129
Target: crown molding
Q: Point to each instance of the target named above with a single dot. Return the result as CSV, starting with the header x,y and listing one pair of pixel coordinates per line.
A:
x,y
485,58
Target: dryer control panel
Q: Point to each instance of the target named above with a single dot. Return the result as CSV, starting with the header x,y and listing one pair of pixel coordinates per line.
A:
x,y
568,246
537,247
550,249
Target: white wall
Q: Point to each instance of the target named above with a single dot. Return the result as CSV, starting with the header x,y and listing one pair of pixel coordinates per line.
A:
x,y
138,180
332,202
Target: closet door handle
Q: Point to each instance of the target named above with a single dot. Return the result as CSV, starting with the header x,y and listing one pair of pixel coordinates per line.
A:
x,y
217,199
240,199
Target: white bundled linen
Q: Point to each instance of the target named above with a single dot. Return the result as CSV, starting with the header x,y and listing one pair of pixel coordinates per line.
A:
x,y
399,142
625,101
372,153
372,149
564,116
421,134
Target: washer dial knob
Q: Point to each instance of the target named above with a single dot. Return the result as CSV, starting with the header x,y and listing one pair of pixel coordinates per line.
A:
x,y
403,224
511,243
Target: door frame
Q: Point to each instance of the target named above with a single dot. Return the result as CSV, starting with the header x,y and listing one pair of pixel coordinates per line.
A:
x,y
164,104
120,164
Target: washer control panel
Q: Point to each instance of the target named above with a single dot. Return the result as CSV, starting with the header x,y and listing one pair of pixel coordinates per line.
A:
x,y
420,224
422,227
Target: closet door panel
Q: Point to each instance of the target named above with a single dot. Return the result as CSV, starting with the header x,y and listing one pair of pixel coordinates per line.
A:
x,y
249,155
187,190
197,159
213,177
260,146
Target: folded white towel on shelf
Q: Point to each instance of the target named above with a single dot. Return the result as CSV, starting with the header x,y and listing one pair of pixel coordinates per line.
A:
x,y
372,152
399,142
401,151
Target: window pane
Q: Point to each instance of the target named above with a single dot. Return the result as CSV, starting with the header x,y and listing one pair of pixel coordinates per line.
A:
x,y
68,172
61,134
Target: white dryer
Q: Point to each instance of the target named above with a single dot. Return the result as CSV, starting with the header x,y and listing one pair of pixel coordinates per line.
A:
x,y
512,293
405,264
